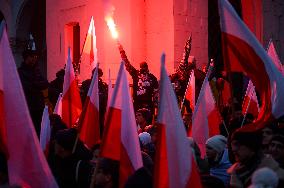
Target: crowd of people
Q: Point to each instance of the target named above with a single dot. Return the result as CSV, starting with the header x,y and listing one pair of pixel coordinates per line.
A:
x,y
234,158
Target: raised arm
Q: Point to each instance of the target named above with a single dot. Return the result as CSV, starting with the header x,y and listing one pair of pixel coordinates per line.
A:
x,y
123,56
183,65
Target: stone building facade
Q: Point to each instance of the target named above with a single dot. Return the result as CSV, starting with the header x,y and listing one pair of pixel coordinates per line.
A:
x,y
147,28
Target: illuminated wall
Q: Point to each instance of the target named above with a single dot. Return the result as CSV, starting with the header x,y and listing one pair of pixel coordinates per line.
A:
x,y
147,28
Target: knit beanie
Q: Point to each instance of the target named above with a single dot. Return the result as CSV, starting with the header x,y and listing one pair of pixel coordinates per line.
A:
x,y
145,138
217,142
264,177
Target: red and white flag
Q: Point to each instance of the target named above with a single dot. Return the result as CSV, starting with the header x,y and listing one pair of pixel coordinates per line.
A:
x,y
45,131
271,51
58,106
27,165
89,57
174,163
89,127
120,140
190,91
250,103
243,53
206,117
71,101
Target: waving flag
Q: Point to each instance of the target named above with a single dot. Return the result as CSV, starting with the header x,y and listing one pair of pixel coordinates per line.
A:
x,y
71,101
174,164
45,131
89,127
250,103
26,163
271,51
243,53
120,140
206,117
89,57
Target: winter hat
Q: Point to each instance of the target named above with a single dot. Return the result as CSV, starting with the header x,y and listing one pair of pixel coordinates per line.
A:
x,y
217,142
251,139
145,138
264,177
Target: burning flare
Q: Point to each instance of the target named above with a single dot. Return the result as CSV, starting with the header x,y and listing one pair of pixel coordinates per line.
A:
x,y
112,27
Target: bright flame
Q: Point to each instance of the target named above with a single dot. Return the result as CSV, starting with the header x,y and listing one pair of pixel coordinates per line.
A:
x,y
112,27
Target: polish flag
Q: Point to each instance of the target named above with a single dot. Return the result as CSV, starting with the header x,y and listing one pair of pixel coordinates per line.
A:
x,y
58,106
271,51
243,53
71,101
174,162
27,165
89,57
89,127
45,131
120,140
206,117
250,103
190,91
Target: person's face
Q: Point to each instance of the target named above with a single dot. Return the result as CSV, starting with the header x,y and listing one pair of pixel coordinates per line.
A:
x,y
101,179
211,153
276,149
140,120
267,135
241,153
31,60
144,67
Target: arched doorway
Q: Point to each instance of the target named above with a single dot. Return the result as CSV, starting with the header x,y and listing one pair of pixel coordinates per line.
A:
x,y
31,20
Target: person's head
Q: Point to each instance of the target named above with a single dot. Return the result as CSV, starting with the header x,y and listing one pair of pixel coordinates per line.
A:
x,y
144,67
276,148
64,142
264,177
56,124
268,132
140,179
245,145
107,173
143,116
30,57
60,74
215,147
100,72
145,138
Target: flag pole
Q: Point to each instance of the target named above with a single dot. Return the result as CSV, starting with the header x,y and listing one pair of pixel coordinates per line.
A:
x,y
225,126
